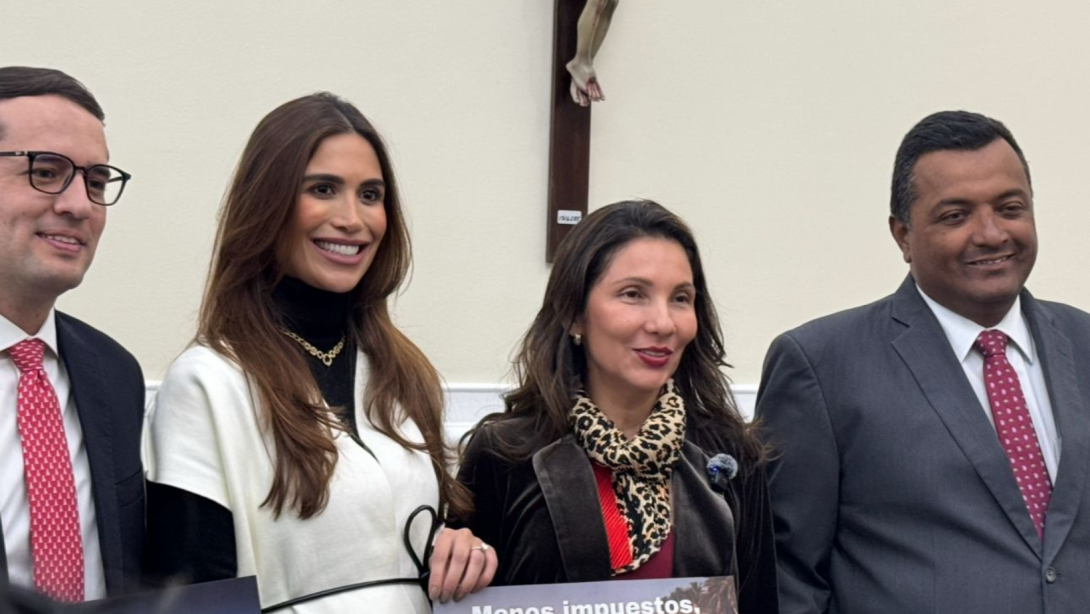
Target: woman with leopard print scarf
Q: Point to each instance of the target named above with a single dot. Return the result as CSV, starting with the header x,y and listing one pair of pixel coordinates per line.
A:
x,y
598,467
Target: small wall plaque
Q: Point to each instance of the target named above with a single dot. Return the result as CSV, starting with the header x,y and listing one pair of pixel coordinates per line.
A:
x,y
567,217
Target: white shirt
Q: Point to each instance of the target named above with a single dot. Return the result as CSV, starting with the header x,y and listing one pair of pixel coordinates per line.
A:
x,y
206,436
962,332
14,508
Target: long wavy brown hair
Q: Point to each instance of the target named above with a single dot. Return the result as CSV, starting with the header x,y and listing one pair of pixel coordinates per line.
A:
x,y
549,367
239,319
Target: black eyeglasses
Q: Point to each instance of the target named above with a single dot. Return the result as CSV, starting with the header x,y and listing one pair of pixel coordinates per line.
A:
x,y
52,173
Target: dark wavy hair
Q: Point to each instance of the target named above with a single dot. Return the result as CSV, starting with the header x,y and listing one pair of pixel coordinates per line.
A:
x,y
239,318
549,367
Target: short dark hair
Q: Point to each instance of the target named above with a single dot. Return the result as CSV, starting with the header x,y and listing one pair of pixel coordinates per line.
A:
x,y
19,81
945,130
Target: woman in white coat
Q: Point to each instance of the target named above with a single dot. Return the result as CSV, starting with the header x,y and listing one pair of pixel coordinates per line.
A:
x,y
296,437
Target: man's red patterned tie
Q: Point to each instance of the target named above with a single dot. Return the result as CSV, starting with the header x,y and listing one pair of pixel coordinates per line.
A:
x,y
55,543
1014,426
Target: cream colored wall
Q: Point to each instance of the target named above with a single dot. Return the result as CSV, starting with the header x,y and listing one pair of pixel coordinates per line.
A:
x,y
769,126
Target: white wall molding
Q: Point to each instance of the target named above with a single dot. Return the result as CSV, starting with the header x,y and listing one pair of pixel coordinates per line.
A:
x,y
468,403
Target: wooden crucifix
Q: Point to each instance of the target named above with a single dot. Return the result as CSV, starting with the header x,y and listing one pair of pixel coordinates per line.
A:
x,y
579,27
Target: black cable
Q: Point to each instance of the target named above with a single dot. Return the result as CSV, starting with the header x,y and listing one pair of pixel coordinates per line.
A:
x,y
421,566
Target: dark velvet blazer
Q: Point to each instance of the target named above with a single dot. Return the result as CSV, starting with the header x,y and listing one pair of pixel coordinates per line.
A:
x,y
108,387
543,517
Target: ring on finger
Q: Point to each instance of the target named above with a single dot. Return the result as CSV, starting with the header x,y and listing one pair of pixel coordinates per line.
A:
x,y
483,547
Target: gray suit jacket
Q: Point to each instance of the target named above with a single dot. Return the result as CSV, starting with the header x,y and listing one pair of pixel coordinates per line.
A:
x,y
891,492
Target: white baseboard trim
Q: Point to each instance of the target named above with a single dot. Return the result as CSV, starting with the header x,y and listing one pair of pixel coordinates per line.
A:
x,y
468,403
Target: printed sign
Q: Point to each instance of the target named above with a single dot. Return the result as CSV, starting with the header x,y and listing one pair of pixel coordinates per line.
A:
x,y
236,596
665,596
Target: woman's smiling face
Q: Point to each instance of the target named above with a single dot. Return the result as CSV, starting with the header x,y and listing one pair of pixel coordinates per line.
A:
x,y
640,317
340,215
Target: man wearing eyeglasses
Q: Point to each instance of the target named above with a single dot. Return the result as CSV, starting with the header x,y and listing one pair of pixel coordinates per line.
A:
x,y
71,398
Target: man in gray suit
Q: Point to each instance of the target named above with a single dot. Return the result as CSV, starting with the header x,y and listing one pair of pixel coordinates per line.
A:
x,y
924,463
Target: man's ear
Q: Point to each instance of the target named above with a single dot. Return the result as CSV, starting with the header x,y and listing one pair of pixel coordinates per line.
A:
x,y
900,231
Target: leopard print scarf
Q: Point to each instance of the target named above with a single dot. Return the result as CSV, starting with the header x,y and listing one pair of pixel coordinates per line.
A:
x,y
641,466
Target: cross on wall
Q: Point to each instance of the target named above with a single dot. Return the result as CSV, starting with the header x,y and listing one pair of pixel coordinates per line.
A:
x,y
569,135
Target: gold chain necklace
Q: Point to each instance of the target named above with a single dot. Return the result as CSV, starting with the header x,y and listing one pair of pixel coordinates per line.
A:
x,y
325,357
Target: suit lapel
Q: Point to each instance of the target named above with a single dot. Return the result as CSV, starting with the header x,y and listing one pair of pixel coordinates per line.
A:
x,y
81,362
703,522
927,354
567,482
1057,359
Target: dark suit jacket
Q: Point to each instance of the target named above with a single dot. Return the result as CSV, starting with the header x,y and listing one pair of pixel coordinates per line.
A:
x,y
544,519
108,387
892,493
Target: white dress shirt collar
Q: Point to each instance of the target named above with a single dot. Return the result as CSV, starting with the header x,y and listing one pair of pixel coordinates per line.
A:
x,y
10,334
962,332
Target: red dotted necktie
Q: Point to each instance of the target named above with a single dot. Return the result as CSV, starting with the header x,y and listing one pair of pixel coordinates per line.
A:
x,y
55,542
1014,426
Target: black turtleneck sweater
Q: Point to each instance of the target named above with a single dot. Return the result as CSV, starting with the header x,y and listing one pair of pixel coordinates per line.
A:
x,y
321,317
191,538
